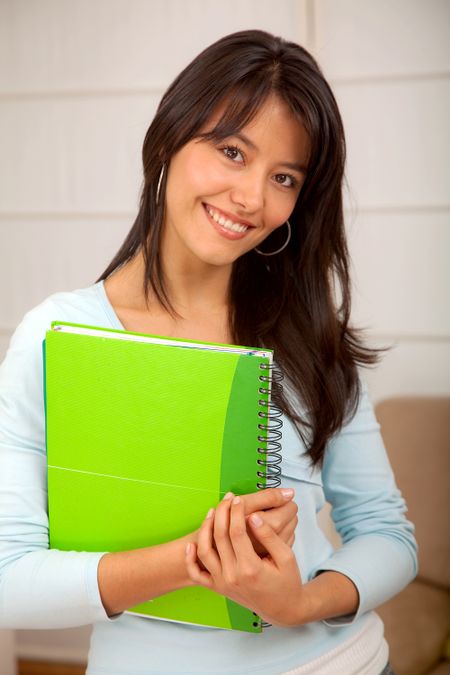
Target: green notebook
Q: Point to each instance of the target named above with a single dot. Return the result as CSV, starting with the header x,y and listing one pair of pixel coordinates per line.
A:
x,y
145,434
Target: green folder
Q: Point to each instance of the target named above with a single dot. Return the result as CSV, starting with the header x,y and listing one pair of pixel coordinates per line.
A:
x,y
144,434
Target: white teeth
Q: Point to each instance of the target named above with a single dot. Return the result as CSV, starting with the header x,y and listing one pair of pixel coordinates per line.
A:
x,y
226,222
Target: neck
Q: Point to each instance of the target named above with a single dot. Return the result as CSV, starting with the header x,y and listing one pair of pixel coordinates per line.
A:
x,y
191,283
191,288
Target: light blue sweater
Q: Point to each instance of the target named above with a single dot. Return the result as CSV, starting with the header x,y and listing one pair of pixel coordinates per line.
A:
x,y
42,588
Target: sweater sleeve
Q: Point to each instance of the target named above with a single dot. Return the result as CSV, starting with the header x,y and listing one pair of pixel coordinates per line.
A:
x,y
39,588
379,552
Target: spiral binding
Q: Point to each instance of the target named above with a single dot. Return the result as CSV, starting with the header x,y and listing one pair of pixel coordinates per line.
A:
x,y
272,424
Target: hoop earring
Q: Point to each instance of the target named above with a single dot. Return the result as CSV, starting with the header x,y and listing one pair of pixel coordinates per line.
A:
x,y
158,187
281,247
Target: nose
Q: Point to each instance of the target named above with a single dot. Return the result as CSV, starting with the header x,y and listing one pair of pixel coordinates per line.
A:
x,y
248,192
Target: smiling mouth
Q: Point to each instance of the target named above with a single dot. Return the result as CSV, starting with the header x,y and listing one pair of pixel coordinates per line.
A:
x,y
226,223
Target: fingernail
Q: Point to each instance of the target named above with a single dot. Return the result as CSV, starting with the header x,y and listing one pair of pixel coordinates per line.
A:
x,y
229,495
287,493
188,549
237,500
256,520
210,513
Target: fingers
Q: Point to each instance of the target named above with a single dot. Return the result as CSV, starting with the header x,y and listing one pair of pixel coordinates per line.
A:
x,y
282,519
222,531
289,521
224,542
266,499
196,574
287,534
280,552
240,541
283,516
205,545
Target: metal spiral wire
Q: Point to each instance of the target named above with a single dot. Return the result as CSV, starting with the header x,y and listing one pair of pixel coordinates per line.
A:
x,y
271,423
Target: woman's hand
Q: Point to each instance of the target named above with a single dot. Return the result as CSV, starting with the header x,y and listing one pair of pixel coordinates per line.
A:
x,y
277,508
270,586
281,516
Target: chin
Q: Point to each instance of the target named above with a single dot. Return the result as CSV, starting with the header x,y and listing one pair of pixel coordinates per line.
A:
x,y
227,259
219,261
219,258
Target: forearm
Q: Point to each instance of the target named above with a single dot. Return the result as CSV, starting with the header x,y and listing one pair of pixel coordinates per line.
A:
x,y
328,595
128,578
48,589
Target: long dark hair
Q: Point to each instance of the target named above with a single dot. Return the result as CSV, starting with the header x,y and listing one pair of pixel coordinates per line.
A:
x,y
289,304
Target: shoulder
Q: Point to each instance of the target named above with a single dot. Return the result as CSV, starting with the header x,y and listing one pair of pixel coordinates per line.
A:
x,y
83,305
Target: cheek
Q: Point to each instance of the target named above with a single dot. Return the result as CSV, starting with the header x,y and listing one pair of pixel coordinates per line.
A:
x,y
278,212
205,177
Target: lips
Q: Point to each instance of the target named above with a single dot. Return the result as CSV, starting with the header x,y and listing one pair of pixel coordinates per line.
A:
x,y
226,223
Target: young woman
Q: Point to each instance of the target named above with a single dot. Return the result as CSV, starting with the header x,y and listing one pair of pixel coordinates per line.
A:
x,y
239,239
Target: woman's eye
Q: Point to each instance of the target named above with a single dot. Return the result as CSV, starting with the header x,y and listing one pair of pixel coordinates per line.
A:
x,y
233,153
285,180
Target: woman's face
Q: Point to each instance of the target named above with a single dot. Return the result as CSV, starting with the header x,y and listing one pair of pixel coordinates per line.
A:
x,y
224,198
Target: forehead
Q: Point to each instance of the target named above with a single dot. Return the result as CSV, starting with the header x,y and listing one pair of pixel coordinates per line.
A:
x,y
273,126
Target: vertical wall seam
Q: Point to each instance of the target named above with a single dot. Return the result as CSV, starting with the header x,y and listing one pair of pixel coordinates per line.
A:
x,y
311,36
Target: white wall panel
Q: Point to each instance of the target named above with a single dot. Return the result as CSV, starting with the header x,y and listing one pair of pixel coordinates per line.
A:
x,y
401,271
410,368
65,45
398,142
363,38
81,154
53,255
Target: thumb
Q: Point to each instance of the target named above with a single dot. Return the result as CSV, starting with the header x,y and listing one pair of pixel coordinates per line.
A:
x,y
280,552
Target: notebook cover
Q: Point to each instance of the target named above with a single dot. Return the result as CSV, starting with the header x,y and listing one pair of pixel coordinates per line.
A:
x,y
142,439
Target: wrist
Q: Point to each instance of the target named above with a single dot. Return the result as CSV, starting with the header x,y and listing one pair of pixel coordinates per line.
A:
x,y
180,553
305,605
328,595
298,611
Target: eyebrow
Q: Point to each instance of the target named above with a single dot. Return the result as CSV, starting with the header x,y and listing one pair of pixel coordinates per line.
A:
x,y
289,165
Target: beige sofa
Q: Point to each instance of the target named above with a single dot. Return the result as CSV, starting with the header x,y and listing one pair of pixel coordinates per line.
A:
x,y
416,432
